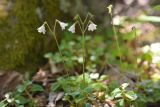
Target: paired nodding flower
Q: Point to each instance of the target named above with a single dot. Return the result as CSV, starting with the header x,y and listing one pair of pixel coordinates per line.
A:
x,y
63,25
42,29
83,26
9,98
91,27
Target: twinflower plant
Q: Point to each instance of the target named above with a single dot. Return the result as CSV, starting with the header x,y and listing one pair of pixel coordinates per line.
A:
x,y
110,8
42,29
84,25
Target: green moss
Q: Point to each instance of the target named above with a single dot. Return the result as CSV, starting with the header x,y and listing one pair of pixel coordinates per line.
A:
x,y
20,44
18,34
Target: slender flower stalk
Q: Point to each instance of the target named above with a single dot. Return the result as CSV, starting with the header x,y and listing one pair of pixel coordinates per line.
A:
x,y
63,25
136,39
83,27
136,51
84,52
115,33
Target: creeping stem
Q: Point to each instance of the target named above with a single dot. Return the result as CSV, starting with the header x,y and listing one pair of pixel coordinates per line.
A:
x,y
54,35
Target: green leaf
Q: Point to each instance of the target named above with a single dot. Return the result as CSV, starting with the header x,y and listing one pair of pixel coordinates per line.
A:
x,y
57,58
121,102
98,86
124,85
131,95
118,95
55,86
36,88
88,90
21,88
147,56
88,105
2,104
80,98
21,100
116,92
129,36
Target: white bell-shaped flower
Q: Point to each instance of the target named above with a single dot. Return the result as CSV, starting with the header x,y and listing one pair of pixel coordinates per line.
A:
x,y
63,25
42,29
72,28
80,59
94,75
8,98
92,27
7,95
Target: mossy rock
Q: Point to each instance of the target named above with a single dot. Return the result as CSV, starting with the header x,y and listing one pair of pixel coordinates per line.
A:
x,y
21,46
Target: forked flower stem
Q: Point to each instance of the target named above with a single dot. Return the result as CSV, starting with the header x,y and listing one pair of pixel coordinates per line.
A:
x,y
83,27
86,18
54,35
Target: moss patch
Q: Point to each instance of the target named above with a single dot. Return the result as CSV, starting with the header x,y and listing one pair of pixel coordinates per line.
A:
x,y
20,43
